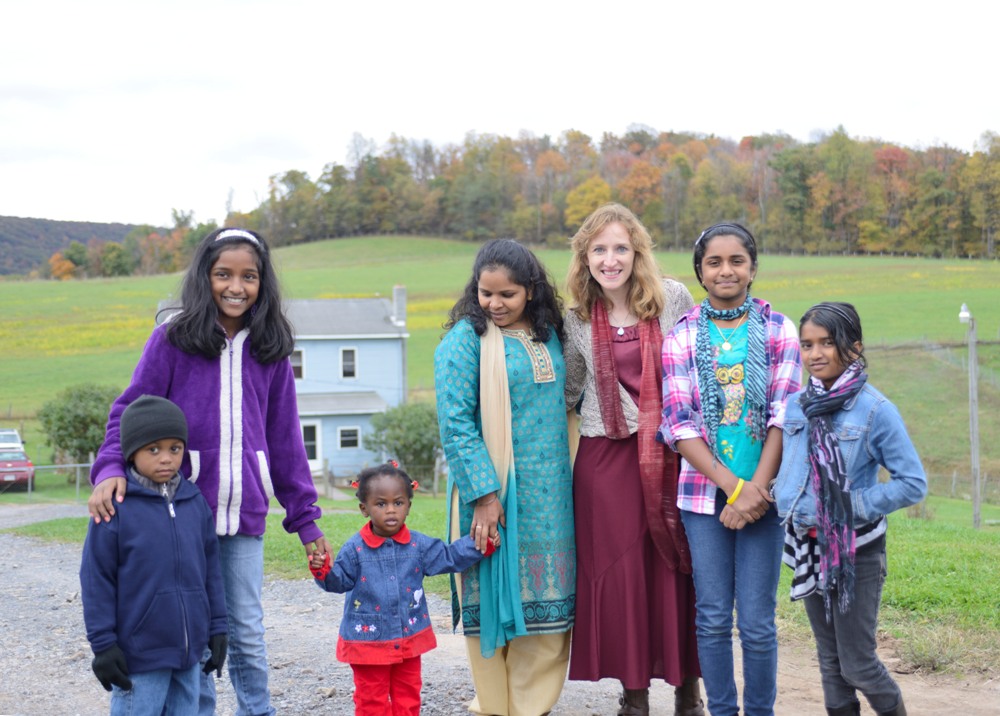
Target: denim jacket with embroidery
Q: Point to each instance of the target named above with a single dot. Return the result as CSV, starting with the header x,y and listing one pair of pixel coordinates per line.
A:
x,y
871,433
385,613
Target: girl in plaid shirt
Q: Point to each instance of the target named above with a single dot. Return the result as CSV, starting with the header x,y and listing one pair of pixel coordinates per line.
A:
x,y
729,364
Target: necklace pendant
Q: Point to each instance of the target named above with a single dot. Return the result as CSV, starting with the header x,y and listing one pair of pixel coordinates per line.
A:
x,y
726,346
621,330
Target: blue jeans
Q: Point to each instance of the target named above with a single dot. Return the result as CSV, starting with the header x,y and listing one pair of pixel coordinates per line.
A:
x,y
736,567
164,691
846,645
242,560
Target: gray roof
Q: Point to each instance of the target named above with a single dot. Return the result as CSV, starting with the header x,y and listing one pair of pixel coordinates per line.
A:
x,y
331,317
334,317
360,403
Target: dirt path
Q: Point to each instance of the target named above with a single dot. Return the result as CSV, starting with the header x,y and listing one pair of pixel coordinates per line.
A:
x,y
45,658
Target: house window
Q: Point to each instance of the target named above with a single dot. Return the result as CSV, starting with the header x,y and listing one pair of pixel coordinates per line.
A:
x,y
309,438
296,359
348,363
349,437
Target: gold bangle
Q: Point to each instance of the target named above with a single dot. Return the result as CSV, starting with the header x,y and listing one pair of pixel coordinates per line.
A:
x,y
736,492
483,504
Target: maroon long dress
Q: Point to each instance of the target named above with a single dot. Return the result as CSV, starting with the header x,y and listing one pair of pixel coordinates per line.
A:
x,y
634,615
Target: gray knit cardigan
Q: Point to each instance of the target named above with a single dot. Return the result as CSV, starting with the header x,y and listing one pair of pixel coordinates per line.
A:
x,y
579,355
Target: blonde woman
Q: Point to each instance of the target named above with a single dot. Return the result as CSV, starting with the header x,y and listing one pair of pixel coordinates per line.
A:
x,y
635,597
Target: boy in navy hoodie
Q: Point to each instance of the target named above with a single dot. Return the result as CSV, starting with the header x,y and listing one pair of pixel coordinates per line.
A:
x,y
150,578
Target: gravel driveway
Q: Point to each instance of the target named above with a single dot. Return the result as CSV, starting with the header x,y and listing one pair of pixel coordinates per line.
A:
x,y
45,657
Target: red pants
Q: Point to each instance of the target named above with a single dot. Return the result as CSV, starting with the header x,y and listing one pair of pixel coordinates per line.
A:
x,y
387,690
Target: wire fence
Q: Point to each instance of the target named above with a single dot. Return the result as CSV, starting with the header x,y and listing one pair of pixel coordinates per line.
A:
x,y
54,483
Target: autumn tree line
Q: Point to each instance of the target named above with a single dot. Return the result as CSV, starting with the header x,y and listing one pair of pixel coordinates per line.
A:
x,y
834,195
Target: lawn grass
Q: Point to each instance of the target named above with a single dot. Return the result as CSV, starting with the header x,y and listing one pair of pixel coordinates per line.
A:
x,y
58,334
940,605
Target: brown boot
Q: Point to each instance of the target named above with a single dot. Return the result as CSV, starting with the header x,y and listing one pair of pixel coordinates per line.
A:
x,y
687,698
633,702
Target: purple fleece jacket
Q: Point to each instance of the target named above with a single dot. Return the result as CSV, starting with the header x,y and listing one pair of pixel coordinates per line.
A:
x,y
244,441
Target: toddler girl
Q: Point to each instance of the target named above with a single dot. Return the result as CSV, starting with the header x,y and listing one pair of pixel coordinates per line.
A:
x,y
386,627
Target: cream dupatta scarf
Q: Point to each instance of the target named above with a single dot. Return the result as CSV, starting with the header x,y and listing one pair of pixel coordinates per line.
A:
x,y
501,612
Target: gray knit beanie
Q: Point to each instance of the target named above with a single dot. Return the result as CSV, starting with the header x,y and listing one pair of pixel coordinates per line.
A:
x,y
148,419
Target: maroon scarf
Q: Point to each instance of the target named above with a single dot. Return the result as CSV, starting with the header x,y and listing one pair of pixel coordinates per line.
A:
x,y
659,467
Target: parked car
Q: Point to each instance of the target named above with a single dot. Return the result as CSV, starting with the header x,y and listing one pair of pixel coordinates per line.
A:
x,y
10,439
15,469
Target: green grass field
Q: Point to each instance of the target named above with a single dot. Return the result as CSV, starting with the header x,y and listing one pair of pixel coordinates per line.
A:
x,y
58,334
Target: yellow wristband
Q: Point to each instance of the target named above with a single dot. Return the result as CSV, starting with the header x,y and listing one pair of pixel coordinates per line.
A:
x,y
736,492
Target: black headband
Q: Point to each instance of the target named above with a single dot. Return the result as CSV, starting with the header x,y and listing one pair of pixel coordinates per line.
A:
x,y
840,311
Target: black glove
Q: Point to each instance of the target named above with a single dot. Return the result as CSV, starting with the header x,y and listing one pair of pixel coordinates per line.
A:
x,y
110,668
217,645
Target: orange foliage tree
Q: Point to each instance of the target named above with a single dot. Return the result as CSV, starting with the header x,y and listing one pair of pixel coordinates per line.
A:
x,y
60,267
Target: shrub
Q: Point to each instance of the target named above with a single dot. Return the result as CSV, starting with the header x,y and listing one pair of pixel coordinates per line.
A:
x,y
74,421
408,433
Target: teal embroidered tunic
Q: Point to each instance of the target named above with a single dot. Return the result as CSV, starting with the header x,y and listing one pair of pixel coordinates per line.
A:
x,y
537,375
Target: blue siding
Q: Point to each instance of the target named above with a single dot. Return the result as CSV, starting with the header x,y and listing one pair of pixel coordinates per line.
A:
x,y
379,367
347,461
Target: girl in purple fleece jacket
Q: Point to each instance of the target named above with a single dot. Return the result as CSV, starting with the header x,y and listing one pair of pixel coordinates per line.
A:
x,y
224,360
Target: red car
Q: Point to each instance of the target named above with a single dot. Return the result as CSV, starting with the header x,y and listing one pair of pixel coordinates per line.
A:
x,y
15,469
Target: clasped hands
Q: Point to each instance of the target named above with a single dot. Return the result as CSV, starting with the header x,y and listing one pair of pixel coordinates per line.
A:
x,y
750,505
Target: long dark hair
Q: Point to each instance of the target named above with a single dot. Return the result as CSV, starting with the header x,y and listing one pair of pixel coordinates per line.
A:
x,y
196,328
842,322
543,310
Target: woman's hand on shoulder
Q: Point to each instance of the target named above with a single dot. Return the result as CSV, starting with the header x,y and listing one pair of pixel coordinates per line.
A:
x,y
101,503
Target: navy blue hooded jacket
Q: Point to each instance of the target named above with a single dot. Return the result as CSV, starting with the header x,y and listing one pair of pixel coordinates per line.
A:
x,y
151,580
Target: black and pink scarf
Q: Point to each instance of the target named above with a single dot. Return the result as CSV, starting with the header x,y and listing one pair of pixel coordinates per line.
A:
x,y
834,514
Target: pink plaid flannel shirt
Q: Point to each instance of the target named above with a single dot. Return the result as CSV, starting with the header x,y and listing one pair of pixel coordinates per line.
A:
x,y
682,401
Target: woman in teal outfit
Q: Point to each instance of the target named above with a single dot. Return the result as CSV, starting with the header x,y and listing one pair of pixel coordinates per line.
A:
x,y
500,379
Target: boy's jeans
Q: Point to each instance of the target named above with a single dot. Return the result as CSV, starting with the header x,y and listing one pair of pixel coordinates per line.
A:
x,y
164,691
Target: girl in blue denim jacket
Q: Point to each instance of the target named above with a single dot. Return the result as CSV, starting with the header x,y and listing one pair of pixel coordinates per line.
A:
x,y
838,431
386,626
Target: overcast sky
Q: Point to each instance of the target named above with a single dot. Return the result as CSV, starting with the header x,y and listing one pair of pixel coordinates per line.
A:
x,y
122,111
